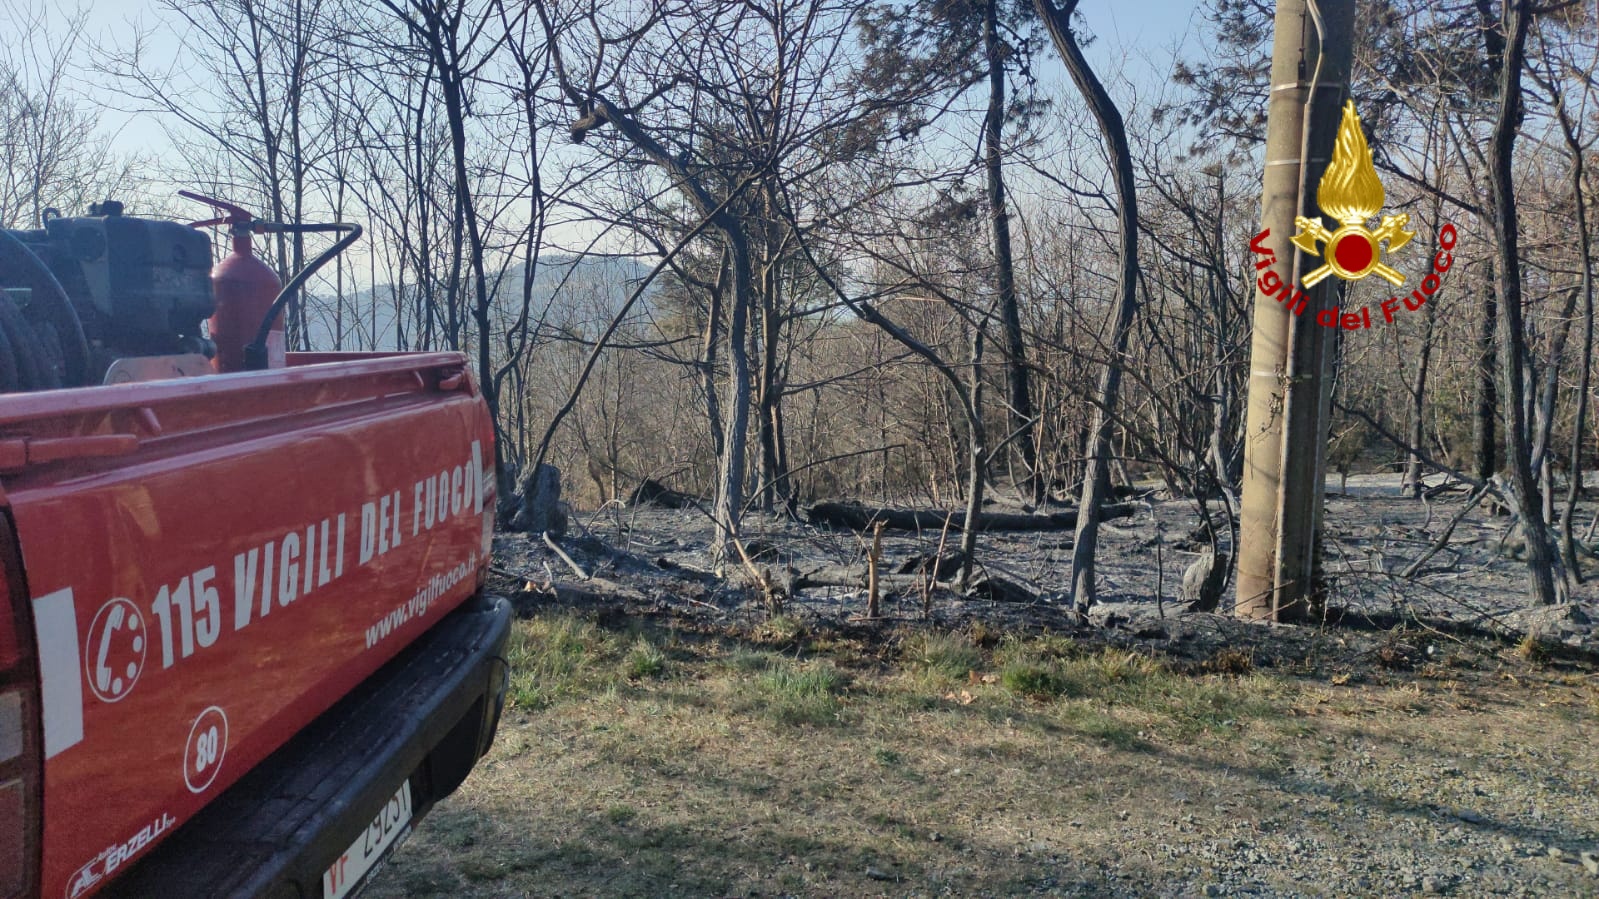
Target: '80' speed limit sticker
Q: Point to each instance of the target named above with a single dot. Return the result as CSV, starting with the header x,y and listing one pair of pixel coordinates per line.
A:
x,y
207,744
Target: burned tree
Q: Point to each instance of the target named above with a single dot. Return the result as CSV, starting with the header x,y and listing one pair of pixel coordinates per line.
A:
x,y
1096,476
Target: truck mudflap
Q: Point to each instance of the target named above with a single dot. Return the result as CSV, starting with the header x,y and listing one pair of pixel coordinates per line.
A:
x,y
286,829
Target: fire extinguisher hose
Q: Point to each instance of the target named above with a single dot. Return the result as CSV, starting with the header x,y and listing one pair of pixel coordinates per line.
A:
x,y
255,354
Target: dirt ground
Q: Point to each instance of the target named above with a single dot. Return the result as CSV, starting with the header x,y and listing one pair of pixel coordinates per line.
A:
x,y
668,736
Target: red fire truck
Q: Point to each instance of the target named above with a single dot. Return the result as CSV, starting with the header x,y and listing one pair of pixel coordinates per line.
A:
x,y
244,642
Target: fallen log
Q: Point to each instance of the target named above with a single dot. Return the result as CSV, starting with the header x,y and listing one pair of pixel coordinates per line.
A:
x,y
858,517
990,587
943,567
595,591
653,492
847,576
998,589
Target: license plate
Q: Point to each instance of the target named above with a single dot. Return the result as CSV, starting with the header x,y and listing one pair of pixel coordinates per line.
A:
x,y
345,875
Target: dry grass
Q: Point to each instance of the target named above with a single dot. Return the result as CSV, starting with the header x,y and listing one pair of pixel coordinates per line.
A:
x,y
637,763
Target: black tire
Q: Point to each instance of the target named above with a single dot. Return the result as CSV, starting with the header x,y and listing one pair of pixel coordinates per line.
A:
x,y
21,267
25,347
10,379
51,354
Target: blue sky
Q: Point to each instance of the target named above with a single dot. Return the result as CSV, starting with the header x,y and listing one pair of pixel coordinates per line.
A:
x,y
1146,26
1134,40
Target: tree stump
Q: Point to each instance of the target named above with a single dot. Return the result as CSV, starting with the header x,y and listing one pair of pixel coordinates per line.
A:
x,y
541,509
1203,582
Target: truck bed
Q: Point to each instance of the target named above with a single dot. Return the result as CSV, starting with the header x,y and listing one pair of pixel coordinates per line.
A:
x,y
214,562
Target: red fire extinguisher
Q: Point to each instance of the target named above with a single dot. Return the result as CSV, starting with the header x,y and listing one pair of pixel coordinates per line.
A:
x,y
245,288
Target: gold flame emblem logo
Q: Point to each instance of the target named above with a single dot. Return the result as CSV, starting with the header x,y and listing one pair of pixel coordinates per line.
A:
x,y
1351,193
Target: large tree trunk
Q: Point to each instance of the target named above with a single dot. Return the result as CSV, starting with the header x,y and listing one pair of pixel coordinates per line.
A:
x,y
1418,390
977,456
1096,475
1418,405
1544,586
1016,376
728,507
1584,253
775,487
709,342
1485,421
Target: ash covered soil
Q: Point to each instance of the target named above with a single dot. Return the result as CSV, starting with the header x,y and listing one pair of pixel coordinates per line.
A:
x,y
958,746
1475,583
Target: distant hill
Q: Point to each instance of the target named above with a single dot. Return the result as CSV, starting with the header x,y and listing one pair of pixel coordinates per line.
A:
x,y
592,288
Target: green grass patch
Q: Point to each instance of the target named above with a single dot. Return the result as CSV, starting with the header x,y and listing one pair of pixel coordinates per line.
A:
x,y
644,660
796,694
1123,684
781,630
750,661
620,814
1187,704
559,657
1032,679
942,655
1036,668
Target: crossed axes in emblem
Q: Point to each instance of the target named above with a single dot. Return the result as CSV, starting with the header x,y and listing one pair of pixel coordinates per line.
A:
x,y
1312,234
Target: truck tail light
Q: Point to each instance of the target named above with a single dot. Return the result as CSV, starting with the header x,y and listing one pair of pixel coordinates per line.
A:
x,y
21,738
19,794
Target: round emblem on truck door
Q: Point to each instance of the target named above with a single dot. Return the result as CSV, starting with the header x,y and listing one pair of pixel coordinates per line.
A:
x,y
202,755
114,653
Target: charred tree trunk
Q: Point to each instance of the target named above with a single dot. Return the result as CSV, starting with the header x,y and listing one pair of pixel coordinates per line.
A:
x,y
1016,375
1486,420
977,454
728,507
708,344
1418,405
1485,425
1096,475
1584,253
1543,585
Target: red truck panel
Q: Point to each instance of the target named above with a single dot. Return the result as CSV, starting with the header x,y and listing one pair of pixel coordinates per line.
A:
x,y
213,562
